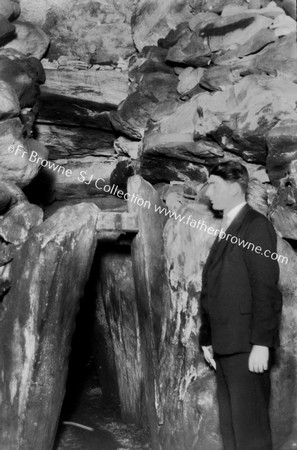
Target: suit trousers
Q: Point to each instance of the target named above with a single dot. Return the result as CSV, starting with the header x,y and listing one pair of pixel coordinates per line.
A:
x,y
243,399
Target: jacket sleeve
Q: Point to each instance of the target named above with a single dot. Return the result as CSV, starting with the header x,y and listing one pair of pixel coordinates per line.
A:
x,y
263,274
204,331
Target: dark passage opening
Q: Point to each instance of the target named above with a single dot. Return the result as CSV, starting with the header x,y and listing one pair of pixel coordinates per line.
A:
x,y
92,398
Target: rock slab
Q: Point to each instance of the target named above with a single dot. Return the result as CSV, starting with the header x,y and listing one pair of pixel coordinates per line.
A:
x,y
49,274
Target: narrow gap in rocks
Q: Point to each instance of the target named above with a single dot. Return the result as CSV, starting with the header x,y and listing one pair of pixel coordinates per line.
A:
x,y
85,403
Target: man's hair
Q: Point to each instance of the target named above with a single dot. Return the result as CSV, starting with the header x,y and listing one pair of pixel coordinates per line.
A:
x,y
232,171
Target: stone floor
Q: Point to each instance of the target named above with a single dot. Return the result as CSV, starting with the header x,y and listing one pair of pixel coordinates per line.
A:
x,y
109,433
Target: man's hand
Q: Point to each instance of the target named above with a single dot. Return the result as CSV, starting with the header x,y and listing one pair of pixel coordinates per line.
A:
x,y
208,355
258,360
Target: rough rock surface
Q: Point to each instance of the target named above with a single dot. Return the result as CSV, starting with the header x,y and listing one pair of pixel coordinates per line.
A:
x,y
15,164
17,218
282,170
6,29
23,74
283,210
10,9
156,170
282,152
14,192
279,57
116,292
18,221
241,104
86,177
238,118
283,402
125,146
29,40
148,270
255,105
244,33
133,114
10,106
74,118
105,87
153,19
189,397
189,79
63,141
5,197
93,31
38,322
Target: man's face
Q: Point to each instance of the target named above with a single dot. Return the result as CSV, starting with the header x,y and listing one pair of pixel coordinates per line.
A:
x,y
219,192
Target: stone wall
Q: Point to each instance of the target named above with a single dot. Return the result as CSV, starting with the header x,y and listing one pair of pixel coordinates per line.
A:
x,y
163,90
117,328
189,400
21,73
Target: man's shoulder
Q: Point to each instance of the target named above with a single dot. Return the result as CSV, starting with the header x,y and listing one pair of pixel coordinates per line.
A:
x,y
253,214
254,218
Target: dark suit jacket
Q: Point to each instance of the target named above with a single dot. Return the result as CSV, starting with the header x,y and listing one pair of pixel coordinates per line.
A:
x,y
240,301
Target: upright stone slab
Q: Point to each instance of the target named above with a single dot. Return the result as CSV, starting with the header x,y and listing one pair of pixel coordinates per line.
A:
x,y
283,407
48,278
148,270
187,383
117,329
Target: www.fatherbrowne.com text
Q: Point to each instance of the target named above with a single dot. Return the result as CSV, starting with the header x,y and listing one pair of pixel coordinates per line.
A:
x,y
201,225
135,198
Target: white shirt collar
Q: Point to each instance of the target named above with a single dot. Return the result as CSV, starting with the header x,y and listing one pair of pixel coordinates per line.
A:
x,y
230,216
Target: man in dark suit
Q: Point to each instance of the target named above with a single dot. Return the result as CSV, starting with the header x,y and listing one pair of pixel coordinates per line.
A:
x,y
240,310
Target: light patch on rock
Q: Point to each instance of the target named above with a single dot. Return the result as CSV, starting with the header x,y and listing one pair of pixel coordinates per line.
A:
x,y
29,39
17,363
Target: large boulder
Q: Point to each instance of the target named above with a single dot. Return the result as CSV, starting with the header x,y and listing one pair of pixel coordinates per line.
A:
x,y
5,197
18,163
10,9
23,74
29,40
155,169
82,97
238,118
237,29
153,20
17,217
74,142
191,50
10,106
92,31
282,151
219,34
216,6
6,29
18,221
277,58
79,178
282,170
48,276
255,104
133,114
283,211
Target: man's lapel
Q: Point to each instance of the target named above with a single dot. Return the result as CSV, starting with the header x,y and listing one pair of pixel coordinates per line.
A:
x,y
219,245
